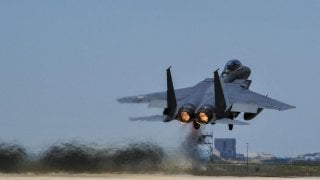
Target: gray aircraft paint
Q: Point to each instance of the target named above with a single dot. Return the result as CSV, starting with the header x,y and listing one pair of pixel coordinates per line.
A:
x,y
235,89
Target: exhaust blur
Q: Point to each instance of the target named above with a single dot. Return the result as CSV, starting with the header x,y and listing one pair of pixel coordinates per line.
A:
x,y
76,157
11,157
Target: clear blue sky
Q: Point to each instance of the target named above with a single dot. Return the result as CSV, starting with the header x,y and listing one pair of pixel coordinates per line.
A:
x,y
64,63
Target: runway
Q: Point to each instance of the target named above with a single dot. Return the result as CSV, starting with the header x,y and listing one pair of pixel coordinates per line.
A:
x,y
133,177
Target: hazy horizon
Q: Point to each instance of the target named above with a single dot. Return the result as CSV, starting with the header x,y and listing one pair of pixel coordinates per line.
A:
x,y
63,64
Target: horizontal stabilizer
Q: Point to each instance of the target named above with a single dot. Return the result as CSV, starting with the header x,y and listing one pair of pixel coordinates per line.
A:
x,y
149,118
230,121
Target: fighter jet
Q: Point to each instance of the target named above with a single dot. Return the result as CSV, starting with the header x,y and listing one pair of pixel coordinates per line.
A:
x,y
214,100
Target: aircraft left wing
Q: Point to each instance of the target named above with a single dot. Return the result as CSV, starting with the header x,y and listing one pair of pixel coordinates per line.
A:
x,y
158,99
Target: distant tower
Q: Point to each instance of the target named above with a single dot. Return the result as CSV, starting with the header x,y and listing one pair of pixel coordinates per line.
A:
x,y
226,147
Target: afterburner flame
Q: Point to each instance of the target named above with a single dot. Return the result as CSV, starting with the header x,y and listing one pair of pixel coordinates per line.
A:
x,y
203,117
184,116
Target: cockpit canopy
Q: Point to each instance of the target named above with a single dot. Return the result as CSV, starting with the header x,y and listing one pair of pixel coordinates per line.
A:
x,y
232,65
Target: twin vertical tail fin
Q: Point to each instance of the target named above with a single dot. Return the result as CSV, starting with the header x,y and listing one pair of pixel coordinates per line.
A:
x,y
171,97
220,102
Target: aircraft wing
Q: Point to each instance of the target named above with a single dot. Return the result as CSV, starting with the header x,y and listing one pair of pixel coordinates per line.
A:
x,y
158,99
244,100
240,98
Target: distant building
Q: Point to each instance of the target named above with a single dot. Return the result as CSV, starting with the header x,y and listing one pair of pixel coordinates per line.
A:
x,y
226,147
309,157
241,157
261,156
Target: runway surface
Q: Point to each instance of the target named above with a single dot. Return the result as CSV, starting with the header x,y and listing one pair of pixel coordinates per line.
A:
x,y
133,176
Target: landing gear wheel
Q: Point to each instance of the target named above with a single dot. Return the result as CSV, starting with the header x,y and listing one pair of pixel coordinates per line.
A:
x,y
230,126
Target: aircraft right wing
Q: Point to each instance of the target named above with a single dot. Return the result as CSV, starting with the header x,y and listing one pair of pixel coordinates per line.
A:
x,y
242,98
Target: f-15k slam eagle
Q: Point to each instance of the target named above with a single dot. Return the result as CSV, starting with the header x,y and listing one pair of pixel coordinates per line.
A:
x,y
214,100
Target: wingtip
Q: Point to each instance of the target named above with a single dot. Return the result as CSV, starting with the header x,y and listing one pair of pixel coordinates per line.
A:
x,y
287,108
292,107
120,100
134,119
